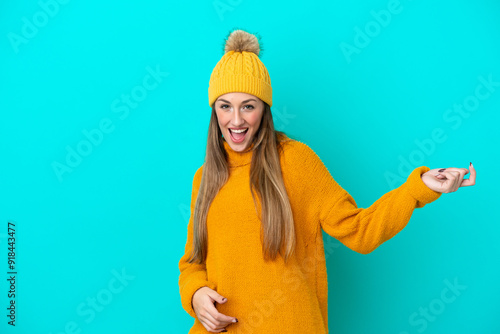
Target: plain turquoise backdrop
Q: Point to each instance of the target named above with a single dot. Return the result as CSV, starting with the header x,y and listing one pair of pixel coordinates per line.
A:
x,y
374,87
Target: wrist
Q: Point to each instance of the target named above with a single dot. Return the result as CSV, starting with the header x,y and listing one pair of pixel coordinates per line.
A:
x,y
192,298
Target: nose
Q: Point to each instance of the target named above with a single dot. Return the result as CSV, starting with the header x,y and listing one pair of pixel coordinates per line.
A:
x,y
237,119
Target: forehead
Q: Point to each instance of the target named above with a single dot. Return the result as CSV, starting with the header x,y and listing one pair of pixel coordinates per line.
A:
x,y
237,96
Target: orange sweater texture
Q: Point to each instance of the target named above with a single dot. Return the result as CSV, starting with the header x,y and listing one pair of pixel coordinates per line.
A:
x,y
269,296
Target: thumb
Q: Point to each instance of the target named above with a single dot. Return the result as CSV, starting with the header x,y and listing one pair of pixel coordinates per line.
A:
x,y
218,298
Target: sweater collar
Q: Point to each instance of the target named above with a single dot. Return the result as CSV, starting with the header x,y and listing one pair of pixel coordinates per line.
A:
x,y
236,159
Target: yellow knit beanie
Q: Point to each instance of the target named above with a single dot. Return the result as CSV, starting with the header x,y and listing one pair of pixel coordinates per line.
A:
x,y
240,69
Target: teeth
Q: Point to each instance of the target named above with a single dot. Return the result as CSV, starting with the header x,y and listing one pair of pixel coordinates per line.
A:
x,y
239,131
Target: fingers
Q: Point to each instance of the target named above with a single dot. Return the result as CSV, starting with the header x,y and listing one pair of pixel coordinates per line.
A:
x,y
460,173
218,318
215,320
209,316
209,325
472,178
453,169
454,178
215,296
216,314
209,320
224,319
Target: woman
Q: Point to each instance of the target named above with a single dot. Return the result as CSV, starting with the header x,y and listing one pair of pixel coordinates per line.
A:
x,y
254,259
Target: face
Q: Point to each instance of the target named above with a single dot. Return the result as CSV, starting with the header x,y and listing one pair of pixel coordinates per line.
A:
x,y
239,116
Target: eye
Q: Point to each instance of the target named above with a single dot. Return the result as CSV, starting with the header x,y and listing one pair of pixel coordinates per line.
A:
x,y
222,106
251,106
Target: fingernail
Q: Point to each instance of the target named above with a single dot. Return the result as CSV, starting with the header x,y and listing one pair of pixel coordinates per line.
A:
x,y
225,330
441,170
470,164
235,320
224,299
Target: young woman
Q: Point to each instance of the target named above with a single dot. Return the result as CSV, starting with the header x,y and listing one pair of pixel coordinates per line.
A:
x,y
254,259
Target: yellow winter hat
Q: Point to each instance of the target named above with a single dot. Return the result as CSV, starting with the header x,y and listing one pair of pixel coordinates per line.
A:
x,y
240,69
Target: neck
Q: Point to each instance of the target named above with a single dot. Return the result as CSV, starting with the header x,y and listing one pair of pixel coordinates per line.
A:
x,y
235,158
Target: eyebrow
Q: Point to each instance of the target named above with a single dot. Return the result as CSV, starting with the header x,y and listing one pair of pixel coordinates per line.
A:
x,y
241,102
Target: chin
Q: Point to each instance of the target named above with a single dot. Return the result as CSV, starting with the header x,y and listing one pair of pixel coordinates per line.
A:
x,y
238,147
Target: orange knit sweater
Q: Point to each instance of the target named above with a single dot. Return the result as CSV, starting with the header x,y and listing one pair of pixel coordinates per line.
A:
x,y
271,297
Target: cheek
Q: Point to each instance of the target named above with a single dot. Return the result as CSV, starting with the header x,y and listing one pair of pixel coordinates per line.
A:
x,y
221,119
254,120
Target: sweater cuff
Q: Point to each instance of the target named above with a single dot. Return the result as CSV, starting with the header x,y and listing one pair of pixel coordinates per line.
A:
x,y
418,189
188,292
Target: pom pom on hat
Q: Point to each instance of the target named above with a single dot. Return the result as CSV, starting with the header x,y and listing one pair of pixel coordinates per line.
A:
x,y
240,69
240,40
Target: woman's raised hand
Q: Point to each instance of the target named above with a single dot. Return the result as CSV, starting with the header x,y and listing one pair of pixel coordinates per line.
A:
x,y
204,300
447,180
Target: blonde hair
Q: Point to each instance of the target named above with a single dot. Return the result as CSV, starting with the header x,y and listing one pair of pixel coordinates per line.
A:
x,y
277,224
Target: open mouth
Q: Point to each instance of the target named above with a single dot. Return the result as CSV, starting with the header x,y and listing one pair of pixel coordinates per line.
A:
x,y
238,136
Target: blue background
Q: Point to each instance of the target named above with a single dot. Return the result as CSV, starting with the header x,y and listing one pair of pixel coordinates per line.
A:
x,y
122,208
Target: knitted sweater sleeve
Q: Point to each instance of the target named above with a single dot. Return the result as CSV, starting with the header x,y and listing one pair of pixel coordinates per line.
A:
x,y
360,229
192,275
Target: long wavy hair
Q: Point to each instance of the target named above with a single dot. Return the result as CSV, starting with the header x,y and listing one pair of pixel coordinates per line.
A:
x,y
277,225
